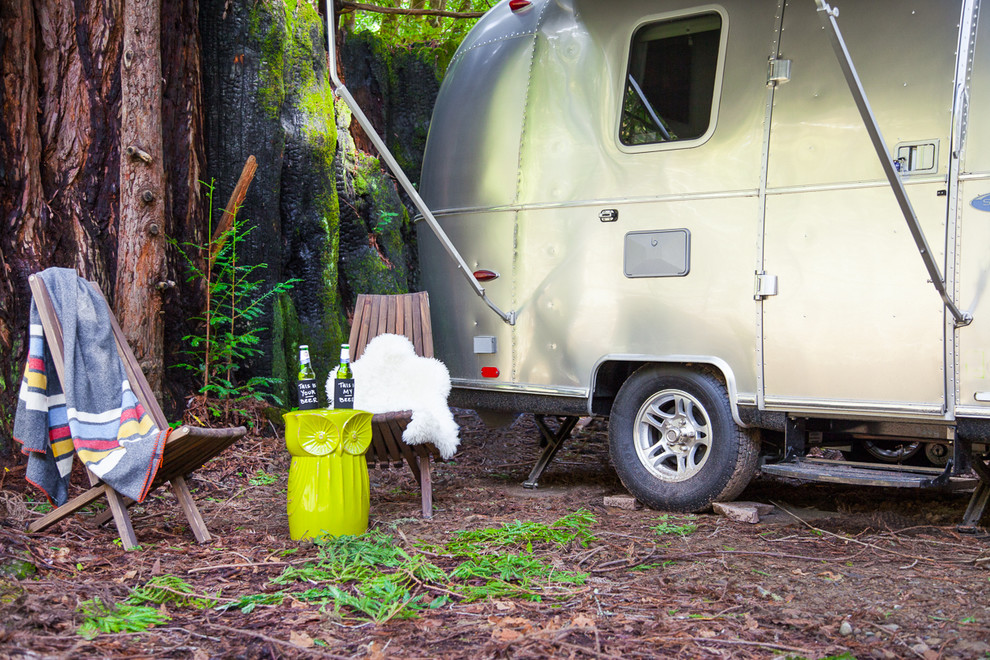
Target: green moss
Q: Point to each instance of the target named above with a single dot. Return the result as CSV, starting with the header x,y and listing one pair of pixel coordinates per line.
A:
x,y
285,344
334,318
267,28
286,31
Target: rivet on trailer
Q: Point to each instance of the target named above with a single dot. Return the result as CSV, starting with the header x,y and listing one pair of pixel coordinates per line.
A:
x,y
739,230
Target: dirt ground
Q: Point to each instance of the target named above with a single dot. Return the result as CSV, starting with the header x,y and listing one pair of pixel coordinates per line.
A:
x,y
834,571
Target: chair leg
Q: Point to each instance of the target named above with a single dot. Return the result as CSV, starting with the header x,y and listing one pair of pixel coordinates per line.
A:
x,y
426,483
186,501
121,519
67,509
103,518
196,524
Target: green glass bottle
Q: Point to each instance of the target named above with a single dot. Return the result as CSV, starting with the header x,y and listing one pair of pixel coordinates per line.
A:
x,y
343,387
309,398
344,370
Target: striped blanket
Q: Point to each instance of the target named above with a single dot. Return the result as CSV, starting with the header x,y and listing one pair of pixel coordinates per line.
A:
x,y
97,416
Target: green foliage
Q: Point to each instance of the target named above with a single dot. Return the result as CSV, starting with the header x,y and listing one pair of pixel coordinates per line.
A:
x,y
672,525
230,325
371,577
571,527
368,574
510,576
99,617
262,478
246,604
399,30
170,589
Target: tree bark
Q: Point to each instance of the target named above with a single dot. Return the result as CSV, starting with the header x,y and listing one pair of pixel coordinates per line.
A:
x,y
22,209
59,91
141,235
184,162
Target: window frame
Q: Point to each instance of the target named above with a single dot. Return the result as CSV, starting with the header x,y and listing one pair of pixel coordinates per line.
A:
x,y
716,92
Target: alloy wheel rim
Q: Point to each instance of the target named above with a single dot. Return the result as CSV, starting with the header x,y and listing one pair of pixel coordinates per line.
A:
x,y
673,435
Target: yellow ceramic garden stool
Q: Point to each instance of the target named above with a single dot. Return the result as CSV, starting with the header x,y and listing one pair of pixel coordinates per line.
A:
x,y
328,479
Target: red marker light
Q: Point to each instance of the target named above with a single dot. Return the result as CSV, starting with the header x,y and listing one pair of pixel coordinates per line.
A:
x,y
485,275
519,5
489,372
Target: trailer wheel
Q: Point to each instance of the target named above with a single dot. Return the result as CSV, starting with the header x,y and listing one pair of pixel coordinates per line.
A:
x,y
674,443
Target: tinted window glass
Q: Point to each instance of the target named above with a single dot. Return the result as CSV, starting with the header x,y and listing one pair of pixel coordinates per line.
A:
x,y
670,83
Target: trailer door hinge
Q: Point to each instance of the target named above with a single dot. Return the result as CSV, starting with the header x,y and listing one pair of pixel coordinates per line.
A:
x,y
766,285
778,72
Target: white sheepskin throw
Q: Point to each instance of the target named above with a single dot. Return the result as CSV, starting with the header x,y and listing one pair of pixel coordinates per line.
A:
x,y
390,377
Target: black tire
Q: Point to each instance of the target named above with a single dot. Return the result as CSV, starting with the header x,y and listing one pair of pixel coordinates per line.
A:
x,y
693,453
892,452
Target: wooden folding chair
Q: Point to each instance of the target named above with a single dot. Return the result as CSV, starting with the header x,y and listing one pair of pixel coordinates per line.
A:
x,y
406,314
186,450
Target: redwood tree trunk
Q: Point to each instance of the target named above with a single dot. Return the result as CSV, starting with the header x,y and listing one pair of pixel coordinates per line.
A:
x,y
59,91
141,235
60,158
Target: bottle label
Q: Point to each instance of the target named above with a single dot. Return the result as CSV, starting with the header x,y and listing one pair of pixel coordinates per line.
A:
x,y
308,394
343,393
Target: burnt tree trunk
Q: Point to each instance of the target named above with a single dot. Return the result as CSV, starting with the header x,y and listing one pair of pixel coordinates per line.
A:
x,y
140,237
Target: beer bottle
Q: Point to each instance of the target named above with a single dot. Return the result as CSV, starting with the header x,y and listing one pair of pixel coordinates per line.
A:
x,y
308,397
343,387
344,370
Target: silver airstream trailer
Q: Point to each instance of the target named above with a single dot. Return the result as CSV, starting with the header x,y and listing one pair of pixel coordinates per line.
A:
x,y
737,229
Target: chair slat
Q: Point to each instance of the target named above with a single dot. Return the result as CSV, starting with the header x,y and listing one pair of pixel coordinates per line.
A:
x,y
392,313
426,324
50,323
402,315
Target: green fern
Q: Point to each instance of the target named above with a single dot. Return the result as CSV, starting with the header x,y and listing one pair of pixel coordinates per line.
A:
x,y
101,618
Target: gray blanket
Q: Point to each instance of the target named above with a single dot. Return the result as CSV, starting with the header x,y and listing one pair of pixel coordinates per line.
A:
x,y
97,417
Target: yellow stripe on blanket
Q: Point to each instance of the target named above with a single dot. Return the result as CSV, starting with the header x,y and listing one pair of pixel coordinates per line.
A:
x,y
62,447
135,427
37,380
87,456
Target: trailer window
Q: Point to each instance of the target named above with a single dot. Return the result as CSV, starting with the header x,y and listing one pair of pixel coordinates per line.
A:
x,y
670,84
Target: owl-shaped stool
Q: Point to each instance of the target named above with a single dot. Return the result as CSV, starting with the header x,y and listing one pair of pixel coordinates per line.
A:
x,y
328,489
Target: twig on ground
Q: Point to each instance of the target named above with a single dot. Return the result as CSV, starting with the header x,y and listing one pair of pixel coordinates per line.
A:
x,y
848,539
704,553
273,640
743,642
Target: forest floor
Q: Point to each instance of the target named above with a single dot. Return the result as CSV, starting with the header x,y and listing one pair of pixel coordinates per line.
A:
x,y
834,571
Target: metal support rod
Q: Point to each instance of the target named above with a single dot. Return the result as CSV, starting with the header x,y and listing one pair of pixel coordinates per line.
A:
x,y
828,15
341,90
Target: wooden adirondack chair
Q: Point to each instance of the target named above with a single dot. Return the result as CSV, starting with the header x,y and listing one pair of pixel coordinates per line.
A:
x,y
406,314
186,449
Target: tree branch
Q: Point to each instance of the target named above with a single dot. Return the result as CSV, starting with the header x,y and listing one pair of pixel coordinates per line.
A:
x,y
347,6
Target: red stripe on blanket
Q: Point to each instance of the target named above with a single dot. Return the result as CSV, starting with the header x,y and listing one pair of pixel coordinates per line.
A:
x,y
95,445
58,433
36,364
128,414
